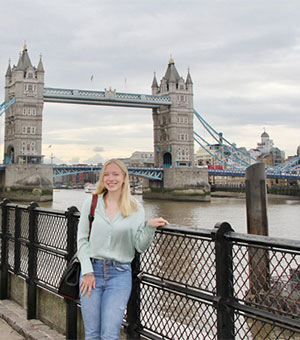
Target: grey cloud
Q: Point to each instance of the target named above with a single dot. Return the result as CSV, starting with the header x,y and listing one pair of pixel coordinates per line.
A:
x,y
75,160
97,158
233,48
98,149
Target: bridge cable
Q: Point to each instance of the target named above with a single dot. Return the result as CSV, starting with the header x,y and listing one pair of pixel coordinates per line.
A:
x,y
208,127
222,154
215,156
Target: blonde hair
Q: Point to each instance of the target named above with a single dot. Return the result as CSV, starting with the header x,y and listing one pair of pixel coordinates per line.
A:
x,y
128,204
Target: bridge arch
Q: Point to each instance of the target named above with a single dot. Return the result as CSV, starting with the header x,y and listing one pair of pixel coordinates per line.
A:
x,y
10,155
167,160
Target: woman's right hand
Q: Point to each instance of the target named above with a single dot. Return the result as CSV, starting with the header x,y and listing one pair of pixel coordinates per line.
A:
x,y
88,283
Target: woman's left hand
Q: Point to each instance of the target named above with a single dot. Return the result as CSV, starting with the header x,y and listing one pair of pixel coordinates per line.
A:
x,y
158,222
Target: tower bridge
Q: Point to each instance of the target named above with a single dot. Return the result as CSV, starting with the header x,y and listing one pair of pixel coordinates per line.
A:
x,y
174,176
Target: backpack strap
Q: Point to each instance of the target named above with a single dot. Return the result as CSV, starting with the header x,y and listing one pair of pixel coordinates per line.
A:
x,y
92,211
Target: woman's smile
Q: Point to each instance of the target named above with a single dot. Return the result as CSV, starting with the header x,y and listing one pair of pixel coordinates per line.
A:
x,y
113,177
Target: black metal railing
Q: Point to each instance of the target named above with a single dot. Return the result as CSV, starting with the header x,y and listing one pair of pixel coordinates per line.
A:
x,y
190,284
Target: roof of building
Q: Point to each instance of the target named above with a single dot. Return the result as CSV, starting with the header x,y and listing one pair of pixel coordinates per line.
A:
x,y
264,134
189,78
40,67
8,72
154,82
171,74
24,60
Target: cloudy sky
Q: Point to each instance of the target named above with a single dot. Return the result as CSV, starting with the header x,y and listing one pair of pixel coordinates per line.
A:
x,y
244,59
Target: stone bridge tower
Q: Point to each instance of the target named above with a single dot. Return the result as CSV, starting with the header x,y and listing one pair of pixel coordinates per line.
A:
x,y
25,178
173,125
23,120
174,143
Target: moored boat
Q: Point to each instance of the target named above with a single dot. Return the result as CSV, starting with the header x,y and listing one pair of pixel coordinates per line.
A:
x,y
89,187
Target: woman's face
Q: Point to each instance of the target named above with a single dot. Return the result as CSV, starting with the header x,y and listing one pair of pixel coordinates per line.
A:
x,y
113,178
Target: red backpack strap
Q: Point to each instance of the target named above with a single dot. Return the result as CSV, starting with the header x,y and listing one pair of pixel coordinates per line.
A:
x,y
92,211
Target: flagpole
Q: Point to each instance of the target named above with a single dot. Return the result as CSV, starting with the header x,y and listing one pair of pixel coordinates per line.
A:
x,y
92,78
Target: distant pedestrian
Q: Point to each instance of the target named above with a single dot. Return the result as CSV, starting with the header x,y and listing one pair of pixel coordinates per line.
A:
x,y
105,255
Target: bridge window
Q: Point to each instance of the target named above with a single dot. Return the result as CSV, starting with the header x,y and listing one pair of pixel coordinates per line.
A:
x,y
30,75
29,111
29,130
29,87
181,99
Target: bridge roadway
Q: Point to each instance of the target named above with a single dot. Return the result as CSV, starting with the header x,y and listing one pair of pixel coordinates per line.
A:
x,y
150,173
155,173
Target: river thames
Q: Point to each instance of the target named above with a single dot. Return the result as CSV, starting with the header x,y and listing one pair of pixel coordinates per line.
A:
x,y
283,214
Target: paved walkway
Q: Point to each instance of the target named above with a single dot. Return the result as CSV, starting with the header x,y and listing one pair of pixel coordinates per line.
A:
x,y
15,326
8,333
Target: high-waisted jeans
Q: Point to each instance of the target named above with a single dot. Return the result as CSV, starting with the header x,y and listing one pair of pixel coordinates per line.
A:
x,y
103,312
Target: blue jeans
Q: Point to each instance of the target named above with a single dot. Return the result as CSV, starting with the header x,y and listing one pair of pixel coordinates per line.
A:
x,y
103,312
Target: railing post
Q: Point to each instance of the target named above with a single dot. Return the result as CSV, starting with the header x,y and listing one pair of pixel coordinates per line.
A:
x,y
17,240
133,306
71,315
224,281
257,223
4,252
32,262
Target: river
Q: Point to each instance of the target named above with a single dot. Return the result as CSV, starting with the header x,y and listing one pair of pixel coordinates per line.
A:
x,y
283,214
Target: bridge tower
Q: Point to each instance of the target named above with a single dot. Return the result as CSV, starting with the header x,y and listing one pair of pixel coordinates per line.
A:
x,y
23,120
25,175
173,125
174,142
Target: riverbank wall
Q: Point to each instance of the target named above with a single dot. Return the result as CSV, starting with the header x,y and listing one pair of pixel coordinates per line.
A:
x,y
242,195
27,182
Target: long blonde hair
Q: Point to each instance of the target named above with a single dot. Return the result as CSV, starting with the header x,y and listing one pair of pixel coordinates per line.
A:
x,y
128,204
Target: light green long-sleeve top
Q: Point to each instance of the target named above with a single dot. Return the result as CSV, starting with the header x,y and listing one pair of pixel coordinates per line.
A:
x,y
114,239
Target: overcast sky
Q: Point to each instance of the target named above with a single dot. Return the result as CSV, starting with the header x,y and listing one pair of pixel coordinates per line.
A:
x,y
244,59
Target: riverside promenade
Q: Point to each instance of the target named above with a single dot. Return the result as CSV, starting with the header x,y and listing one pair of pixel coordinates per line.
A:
x,y
15,326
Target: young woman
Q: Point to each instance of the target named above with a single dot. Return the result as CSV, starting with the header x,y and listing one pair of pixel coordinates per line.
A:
x,y
105,255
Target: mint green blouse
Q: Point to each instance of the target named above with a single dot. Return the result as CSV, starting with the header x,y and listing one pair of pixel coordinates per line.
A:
x,y
114,239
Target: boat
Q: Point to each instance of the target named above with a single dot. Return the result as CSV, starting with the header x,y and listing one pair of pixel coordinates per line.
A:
x,y
89,187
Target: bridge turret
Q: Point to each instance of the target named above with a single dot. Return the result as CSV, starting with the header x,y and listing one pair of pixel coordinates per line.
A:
x,y
189,82
154,86
8,75
40,75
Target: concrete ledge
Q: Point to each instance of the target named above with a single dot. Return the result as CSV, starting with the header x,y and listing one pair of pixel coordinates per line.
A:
x,y
34,329
196,195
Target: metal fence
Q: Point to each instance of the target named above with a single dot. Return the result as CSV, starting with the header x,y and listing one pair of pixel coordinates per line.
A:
x,y
190,284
